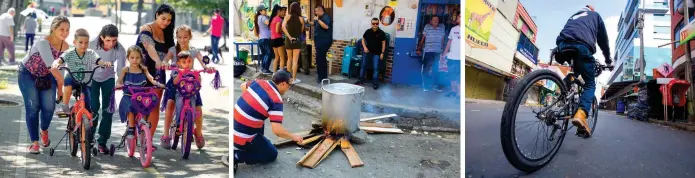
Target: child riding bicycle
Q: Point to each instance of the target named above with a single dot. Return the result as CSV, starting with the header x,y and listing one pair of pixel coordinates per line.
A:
x,y
135,74
183,38
79,58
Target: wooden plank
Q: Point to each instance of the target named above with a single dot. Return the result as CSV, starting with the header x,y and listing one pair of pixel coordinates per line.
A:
x,y
314,157
437,129
350,153
335,144
304,134
382,130
382,125
308,154
378,117
311,139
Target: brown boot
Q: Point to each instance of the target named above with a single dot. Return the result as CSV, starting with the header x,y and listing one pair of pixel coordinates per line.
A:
x,y
579,121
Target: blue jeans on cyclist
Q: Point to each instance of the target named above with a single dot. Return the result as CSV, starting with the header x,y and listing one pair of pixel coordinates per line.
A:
x,y
584,66
69,81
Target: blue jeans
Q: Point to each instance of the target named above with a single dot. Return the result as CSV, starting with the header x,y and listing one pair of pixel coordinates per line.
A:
x,y
430,75
584,65
266,53
215,47
29,41
259,150
374,58
38,104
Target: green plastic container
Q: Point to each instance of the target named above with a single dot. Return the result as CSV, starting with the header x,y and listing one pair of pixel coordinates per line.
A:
x,y
244,55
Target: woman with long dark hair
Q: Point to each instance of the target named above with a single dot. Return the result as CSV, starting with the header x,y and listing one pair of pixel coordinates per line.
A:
x,y
262,31
109,49
293,27
155,39
276,36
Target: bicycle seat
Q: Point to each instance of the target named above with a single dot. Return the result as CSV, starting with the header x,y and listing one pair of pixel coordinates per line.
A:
x,y
565,55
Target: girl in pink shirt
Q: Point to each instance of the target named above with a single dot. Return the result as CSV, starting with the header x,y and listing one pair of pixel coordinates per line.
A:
x,y
276,39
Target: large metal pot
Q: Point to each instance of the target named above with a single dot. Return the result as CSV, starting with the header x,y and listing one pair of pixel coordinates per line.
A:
x,y
340,111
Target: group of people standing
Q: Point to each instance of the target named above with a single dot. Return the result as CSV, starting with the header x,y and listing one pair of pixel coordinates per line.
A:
x,y
41,83
282,39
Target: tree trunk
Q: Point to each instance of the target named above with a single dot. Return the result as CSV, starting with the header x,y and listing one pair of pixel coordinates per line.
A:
x,y
137,27
154,9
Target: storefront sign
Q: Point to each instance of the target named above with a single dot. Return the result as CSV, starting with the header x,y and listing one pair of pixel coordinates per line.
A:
x,y
687,33
479,18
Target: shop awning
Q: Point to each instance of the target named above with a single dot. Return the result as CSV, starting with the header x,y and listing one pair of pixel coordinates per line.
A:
x,y
617,89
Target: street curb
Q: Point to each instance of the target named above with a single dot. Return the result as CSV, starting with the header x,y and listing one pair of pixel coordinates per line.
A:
x,y
371,106
481,101
680,126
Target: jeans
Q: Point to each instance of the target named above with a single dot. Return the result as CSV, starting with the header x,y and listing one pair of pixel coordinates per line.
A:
x,y
29,39
38,104
375,66
266,53
259,150
105,89
321,62
430,75
215,47
584,65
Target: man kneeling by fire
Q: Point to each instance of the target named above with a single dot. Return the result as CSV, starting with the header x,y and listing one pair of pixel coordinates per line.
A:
x,y
260,100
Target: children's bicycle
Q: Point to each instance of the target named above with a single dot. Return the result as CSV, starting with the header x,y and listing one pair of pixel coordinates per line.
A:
x,y
143,101
79,127
188,87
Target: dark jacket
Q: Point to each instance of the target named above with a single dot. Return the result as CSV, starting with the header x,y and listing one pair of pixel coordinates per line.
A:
x,y
586,27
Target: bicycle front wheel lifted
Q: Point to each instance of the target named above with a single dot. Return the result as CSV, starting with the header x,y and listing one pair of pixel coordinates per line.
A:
x,y
532,133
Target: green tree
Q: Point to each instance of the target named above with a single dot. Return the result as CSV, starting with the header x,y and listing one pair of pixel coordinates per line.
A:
x,y
204,6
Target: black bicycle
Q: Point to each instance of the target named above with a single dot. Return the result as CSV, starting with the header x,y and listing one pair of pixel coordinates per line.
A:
x,y
551,121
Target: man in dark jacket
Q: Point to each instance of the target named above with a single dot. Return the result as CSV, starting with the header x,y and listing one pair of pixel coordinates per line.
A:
x,y
581,32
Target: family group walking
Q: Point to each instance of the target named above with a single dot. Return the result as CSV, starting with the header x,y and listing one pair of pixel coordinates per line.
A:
x,y
42,83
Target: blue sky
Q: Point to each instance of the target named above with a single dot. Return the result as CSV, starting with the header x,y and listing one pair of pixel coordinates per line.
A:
x,y
550,16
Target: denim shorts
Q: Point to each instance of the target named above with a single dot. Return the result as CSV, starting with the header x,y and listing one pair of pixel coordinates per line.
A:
x,y
454,67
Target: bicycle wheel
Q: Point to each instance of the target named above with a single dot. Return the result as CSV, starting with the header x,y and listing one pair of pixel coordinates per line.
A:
x,y
145,146
72,137
593,118
86,129
519,114
187,133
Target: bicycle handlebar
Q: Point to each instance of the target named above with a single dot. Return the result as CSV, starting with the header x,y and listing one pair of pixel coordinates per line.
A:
x,y
209,71
81,72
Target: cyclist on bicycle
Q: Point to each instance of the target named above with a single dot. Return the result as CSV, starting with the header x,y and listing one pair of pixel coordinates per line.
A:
x,y
581,32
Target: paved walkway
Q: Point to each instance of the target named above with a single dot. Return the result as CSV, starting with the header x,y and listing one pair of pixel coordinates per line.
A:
x,y
15,161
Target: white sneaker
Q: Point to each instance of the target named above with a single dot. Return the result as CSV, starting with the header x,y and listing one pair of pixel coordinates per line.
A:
x,y
296,81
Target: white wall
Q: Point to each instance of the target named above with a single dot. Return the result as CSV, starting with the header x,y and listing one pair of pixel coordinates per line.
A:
x,y
504,36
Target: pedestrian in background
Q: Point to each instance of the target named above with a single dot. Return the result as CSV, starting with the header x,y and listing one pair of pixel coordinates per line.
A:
x,y
374,45
304,61
262,31
323,39
293,26
453,56
106,45
7,36
276,40
29,29
431,43
215,31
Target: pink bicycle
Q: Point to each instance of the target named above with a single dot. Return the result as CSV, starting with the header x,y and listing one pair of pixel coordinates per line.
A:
x,y
188,88
143,101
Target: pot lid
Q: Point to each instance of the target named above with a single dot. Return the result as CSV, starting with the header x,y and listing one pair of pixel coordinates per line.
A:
x,y
343,89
